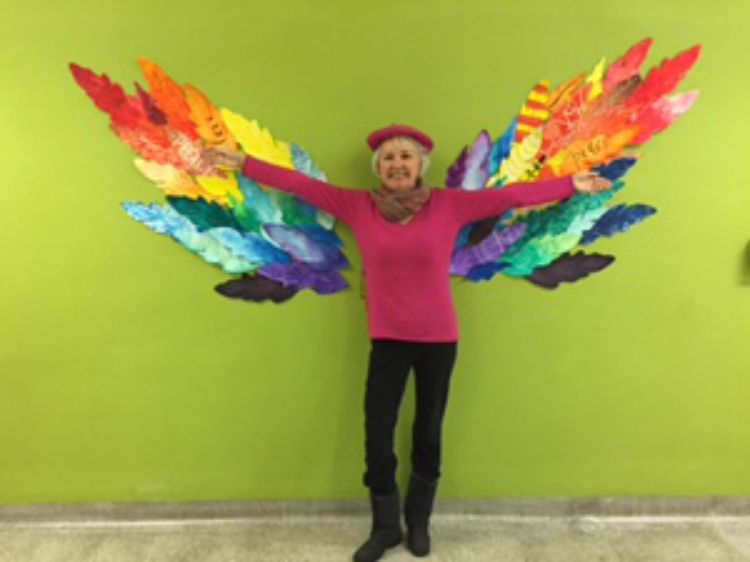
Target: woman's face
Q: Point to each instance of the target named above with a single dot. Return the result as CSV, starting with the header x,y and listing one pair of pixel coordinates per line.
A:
x,y
399,164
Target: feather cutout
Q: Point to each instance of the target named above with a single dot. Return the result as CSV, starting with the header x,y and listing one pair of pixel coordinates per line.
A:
x,y
202,214
617,219
303,276
535,111
554,231
489,250
628,65
663,80
476,163
500,151
521,165
164,220
207,119
457,170
256,288
662,114
569,268
257,141
170,98
173,181
303,247
227,219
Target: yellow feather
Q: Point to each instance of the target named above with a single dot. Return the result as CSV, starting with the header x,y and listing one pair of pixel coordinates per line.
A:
x,y
595,79
521,159
256,141
221,188
175,182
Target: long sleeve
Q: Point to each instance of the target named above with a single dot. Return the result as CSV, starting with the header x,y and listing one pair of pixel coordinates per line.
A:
x,y
470,206
341,203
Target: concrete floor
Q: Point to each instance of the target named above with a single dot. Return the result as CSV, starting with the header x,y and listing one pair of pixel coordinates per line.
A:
x,y
330,536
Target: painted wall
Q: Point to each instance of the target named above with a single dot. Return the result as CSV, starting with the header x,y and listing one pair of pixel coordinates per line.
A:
x,y
124,377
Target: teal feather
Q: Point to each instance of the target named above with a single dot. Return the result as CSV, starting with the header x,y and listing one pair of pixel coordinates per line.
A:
x,y
167,221
555,230
259,204
202,214
304,163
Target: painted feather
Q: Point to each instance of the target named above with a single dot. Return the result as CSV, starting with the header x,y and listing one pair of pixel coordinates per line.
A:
x,y
569,268
476,164
591,123
628,65
226,219
170,98
617,219
457,170
489,250
256,288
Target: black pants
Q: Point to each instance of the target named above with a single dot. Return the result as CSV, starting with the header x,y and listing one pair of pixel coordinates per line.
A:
x,y
390,363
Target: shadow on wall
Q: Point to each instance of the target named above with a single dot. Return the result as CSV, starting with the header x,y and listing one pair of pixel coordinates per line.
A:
x,y
745,265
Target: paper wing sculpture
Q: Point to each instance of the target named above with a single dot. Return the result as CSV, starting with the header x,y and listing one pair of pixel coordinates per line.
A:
x,y
277,244
593,122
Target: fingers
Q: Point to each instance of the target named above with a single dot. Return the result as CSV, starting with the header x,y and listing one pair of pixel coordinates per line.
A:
x,y
591,182
223,157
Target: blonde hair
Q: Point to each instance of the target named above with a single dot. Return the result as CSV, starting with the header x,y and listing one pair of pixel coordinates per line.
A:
x,y
421,150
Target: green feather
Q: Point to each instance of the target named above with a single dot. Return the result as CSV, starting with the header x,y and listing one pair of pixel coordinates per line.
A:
x,y
202,214
553,231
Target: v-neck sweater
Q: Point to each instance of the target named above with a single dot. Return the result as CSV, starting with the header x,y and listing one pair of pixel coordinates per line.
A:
x,y
407,266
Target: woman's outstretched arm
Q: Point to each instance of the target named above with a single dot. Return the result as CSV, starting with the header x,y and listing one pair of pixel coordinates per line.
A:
x,y
341,203
470,206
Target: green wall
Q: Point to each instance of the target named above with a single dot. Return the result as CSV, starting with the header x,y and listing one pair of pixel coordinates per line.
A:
x,y
124,377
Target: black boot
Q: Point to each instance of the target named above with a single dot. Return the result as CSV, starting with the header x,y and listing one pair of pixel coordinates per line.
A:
x,y
386,528
417,510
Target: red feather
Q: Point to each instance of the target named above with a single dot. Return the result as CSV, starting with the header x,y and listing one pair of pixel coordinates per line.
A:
x,y
664,80
628,65
108,96
155,115
661,114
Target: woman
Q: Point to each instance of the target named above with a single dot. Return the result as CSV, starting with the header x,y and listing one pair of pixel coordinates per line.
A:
x,y
406,233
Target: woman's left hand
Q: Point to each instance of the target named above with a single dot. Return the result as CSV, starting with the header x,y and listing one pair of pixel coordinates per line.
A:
x,y
224,157
590,182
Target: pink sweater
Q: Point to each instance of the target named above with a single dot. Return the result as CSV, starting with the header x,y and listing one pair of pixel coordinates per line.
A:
x,y
407,265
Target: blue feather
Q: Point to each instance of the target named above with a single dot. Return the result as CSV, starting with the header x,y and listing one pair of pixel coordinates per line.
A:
x,y
166,220
250,246
258,201
617,219
484,272
304,248
615,169
501,148
304,163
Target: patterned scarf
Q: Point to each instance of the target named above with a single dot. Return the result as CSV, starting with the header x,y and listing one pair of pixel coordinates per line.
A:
x,y
397,206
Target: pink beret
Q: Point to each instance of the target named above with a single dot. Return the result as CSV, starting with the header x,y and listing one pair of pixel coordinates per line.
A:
x,y
378,137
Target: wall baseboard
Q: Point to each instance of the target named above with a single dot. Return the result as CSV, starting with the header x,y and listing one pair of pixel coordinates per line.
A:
x,y
247,509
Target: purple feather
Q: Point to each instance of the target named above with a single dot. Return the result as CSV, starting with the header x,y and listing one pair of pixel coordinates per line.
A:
x,y
477,163
457,170
304,248
255,288
489,250
302,276
569,268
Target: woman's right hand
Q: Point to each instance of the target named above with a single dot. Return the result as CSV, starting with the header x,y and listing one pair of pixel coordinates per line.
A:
x,y
224,157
